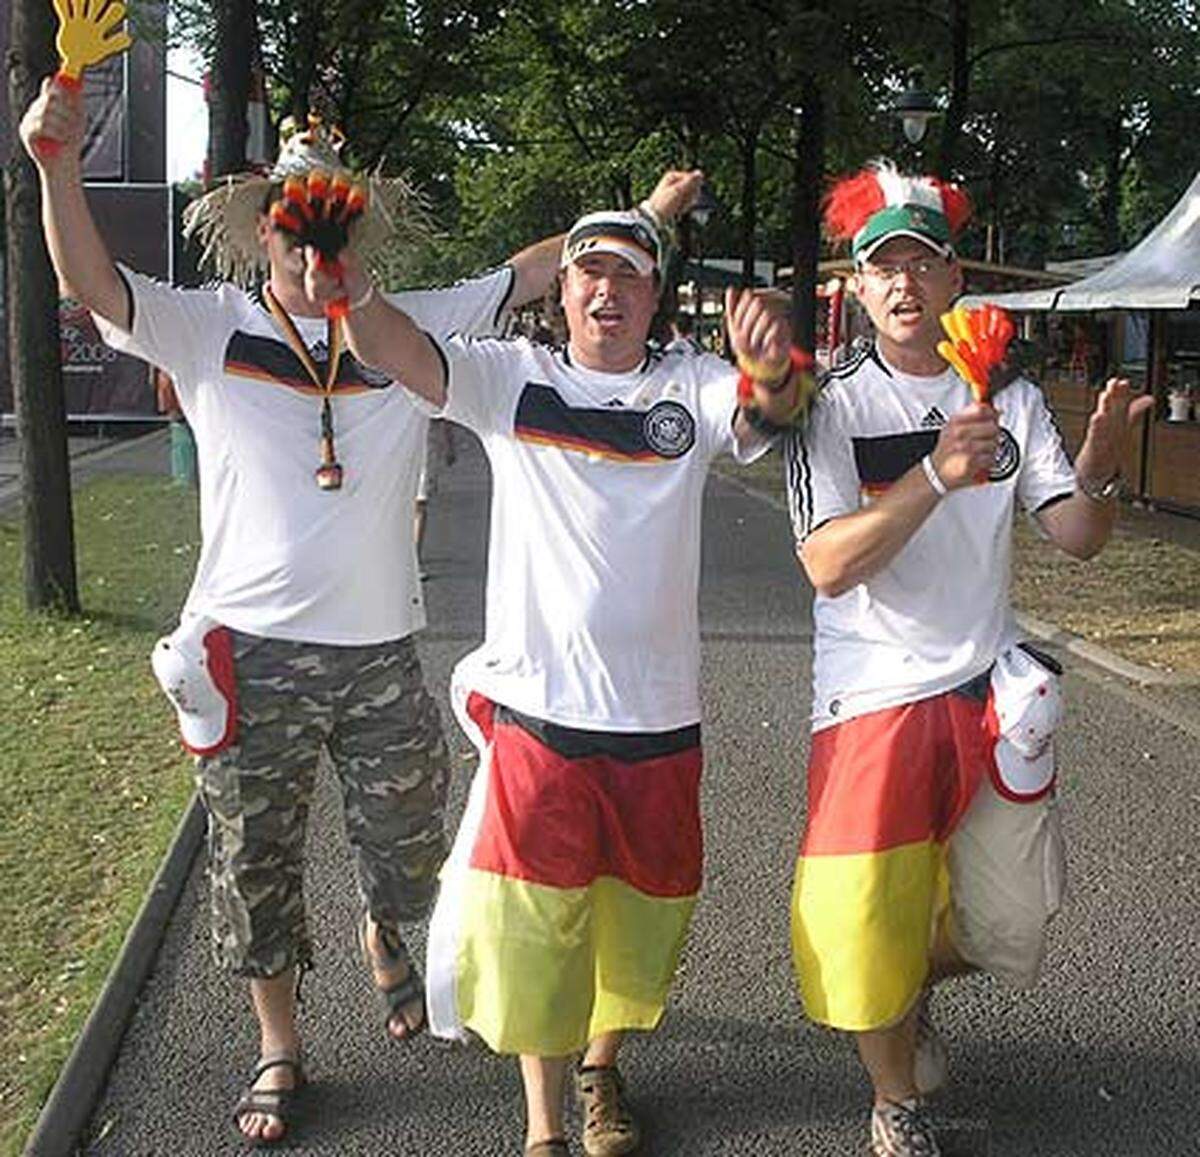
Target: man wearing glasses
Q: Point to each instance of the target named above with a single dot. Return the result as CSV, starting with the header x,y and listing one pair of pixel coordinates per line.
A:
x,y
932,846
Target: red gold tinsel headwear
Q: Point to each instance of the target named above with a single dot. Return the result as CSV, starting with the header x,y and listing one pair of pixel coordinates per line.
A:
x,y
385,218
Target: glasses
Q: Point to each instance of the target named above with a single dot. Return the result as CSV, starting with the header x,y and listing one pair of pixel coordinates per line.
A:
x,y
918,267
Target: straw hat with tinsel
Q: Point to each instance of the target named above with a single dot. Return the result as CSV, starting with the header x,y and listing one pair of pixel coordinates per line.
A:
x,y
384,218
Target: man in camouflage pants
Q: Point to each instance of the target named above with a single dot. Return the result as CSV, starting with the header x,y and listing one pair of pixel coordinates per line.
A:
x,y
368,706
306,587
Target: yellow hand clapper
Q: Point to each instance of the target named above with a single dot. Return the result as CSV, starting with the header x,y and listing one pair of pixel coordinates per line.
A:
x,y
89,31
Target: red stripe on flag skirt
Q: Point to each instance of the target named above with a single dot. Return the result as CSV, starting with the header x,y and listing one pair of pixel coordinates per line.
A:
x,y
564,822
896,776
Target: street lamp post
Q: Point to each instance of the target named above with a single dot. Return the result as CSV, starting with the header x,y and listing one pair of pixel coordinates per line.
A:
x,y
914,109
700,213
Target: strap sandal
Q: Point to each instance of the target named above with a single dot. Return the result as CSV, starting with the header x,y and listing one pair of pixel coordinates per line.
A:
x,y
609,1128
555,1147
404,994
277,1103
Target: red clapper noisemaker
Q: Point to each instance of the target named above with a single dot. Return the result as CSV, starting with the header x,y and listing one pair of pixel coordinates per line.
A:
x,y
317,210
978,342
89,31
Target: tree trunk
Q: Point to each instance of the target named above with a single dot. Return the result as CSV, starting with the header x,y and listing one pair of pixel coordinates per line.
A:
x,y
622,188
960,85
306,52
749,205
808,166
229,91
33,341
1110,198
685,226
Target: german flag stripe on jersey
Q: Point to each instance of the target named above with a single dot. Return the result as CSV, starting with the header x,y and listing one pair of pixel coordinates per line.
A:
x,y
544,418
883,459
885,792
266,360
567,898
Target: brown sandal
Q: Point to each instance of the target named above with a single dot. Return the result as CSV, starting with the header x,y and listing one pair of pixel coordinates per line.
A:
x,y
608,1126
277,1103
404,993
555,1147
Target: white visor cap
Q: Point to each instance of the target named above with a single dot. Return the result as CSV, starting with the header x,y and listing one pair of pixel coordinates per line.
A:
x,y
194,667
1027,699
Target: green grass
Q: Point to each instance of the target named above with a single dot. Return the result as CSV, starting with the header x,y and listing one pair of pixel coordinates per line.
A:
x,y
1137,597
92,780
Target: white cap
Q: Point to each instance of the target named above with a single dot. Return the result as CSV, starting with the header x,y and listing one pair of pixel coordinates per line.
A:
x,y
623,232
194,667
1027,701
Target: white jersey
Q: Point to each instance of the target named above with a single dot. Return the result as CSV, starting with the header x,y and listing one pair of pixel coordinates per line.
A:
x,y
935,616
280,557
594,554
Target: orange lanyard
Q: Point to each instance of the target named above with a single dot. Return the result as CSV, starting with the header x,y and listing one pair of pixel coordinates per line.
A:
x,y
329,473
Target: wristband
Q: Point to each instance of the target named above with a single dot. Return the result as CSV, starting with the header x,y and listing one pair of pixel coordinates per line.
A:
x,y
801,377
799,363
359,302
648,210
763,372
1104,491
932,477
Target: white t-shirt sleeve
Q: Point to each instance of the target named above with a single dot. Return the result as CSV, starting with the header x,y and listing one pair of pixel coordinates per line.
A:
x,y
476,307
179,330
822,476
1046,473
484,380
717,402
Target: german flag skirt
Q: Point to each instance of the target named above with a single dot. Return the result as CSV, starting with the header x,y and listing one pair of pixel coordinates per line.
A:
x,y
885,793
566,898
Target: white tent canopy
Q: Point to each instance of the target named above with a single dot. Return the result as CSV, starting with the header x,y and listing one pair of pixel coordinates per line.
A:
x,y
1161,272
1020,299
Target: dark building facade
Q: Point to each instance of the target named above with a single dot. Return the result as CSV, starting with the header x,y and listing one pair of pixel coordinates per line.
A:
x,y
125,170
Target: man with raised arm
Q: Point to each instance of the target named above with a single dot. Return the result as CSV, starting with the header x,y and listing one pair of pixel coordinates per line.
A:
x,y
297,635
932,844
571,884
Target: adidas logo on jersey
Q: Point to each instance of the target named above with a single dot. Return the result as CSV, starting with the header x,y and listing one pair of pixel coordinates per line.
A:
x,y
934,420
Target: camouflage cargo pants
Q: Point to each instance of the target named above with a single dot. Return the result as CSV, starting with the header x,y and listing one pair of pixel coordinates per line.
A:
x,y
368,709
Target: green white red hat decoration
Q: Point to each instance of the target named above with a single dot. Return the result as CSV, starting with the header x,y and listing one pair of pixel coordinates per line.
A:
x,y
879,202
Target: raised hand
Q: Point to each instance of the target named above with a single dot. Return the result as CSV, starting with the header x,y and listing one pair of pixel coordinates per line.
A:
x,y
334,283
777,379
1106,445
760,332
317,211
54,122
966,446
675,193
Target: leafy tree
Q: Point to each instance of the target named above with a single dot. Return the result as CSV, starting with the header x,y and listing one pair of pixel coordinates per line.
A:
x,y
33,339
233,46
1067,118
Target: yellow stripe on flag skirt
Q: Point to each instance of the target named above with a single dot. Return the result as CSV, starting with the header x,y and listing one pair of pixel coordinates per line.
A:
x,y
567,896
861,932
885,792
544,970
